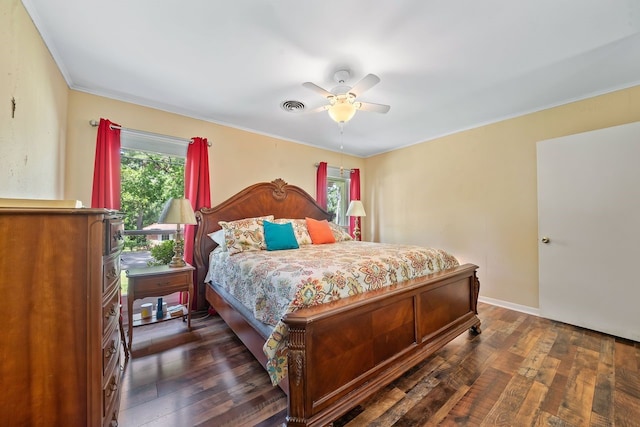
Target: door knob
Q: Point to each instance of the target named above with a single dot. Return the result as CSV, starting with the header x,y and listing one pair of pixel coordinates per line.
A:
x,y
545,240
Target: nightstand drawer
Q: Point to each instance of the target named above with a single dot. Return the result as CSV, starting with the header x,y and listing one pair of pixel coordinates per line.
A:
x,y
163,284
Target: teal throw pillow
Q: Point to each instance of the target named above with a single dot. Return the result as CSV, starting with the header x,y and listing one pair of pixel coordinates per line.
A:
x,y
279,236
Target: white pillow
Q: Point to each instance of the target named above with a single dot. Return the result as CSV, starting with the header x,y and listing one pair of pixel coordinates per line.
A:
x,y
218,237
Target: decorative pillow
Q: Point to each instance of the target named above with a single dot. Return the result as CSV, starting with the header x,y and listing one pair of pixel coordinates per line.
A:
x,y
339,233
320,231
279,236
218,237
299,229
244,234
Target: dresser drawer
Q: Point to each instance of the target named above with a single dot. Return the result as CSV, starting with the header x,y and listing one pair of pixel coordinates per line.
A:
x,y
110,392
110,312
111,419
111,352
111,273
115,236
163,284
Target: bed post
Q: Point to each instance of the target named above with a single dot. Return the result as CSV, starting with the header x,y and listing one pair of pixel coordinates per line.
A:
x,y
297,366
476,292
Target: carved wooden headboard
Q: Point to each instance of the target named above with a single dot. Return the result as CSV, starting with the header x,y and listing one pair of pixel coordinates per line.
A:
x,y
275,198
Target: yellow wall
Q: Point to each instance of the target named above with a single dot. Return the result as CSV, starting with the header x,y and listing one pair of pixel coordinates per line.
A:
x,y
32,144
237,158
475,193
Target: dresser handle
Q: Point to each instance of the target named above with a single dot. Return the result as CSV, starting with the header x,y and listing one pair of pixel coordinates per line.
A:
x,y
112,311
111,350
112,274
112,388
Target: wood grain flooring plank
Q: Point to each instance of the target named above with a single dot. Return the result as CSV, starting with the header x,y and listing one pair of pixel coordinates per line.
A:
x,y
507,362
628,382
548,420
577,403
602,407
526,342
537,354
249,412
412,398
506,407
427,406
555,396
375,407
626,355
417,373
626,410
547,371
598,420
563,350
529,410
476,404
446,407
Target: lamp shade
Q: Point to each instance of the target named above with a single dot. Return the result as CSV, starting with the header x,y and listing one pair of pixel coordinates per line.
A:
x,y
177,211
342,111
356,209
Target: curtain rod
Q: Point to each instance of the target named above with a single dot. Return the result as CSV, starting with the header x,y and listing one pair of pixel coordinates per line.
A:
x,y
95,123
333,167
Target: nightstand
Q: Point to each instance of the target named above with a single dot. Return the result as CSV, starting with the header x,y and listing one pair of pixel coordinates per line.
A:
x,y
157,281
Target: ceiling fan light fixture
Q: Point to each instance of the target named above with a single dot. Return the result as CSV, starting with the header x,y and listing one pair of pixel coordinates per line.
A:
x,y
342,111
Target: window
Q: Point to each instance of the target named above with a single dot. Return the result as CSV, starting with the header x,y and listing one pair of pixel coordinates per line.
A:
x,y
338,195
152,171
148,181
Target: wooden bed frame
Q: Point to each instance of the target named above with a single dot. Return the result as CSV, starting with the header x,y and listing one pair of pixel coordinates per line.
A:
x,y
342,352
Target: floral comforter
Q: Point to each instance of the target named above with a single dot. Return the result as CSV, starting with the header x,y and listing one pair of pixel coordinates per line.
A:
x,y
273,283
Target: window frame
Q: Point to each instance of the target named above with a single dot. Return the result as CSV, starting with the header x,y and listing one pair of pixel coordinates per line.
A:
x,y
336,176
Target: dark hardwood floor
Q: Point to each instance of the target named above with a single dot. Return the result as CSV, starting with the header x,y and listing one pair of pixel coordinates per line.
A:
x,y
521,371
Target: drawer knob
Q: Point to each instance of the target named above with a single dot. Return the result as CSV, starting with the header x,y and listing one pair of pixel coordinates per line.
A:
x,y
111,350
112,273
112,311
112,387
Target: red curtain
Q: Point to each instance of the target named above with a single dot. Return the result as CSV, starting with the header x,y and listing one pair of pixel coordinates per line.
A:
x,y
106,171
198,190
354,194
321,185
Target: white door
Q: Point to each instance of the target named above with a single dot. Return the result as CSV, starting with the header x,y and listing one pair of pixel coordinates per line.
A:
x,y
589,209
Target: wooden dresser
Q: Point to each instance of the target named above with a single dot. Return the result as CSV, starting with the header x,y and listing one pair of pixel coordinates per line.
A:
x,y
60,308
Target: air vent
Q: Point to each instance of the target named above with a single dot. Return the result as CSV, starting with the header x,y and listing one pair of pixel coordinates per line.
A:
x,y
292,106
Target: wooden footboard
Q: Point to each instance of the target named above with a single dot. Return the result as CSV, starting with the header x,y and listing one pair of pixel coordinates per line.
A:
x,y
343,352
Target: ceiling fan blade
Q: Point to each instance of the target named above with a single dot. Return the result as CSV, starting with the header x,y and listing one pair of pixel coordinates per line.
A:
x,y
367,82
321,108
376,108
314,87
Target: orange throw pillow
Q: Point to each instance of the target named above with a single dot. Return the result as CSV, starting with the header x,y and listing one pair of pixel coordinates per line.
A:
x,y
320,231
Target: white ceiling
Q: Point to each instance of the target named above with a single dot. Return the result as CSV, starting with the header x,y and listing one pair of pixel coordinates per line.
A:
x,y
444,66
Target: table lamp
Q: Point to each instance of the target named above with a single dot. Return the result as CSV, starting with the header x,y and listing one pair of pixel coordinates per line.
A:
x,y
357,210
177,211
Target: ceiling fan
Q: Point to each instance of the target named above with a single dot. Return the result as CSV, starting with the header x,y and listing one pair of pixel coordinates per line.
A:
x,y
342,104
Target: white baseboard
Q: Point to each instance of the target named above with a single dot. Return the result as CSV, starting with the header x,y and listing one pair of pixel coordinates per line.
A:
x,y
511,306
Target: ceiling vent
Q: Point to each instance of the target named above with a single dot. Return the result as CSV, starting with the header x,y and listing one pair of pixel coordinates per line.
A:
x,y
292,106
